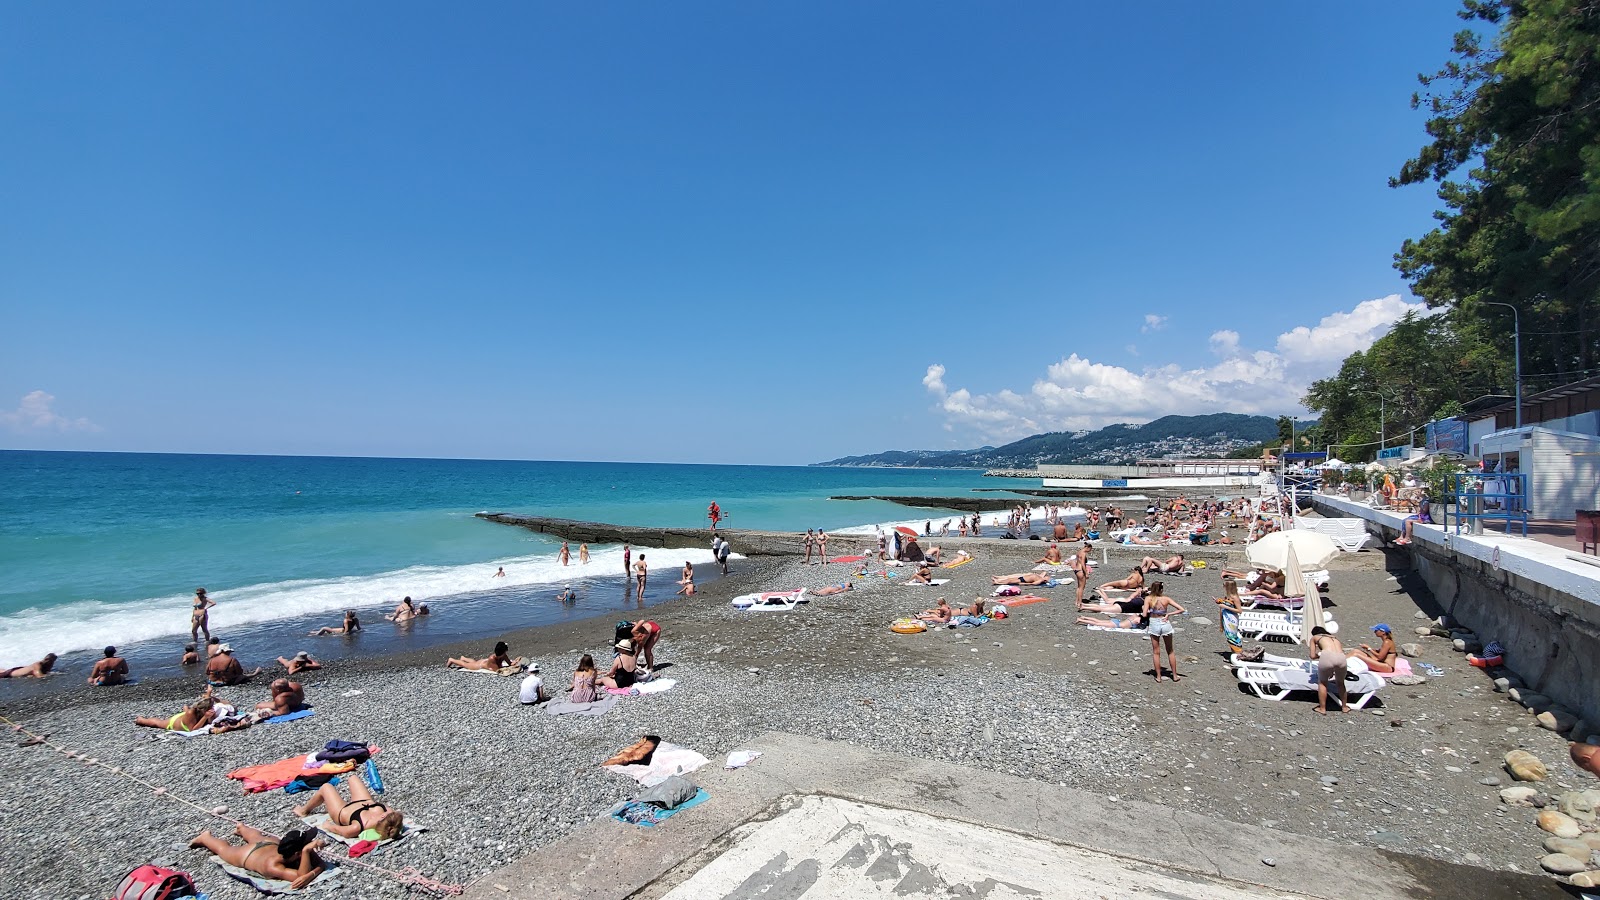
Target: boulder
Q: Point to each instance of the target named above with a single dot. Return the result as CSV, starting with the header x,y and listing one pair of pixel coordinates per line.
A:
x,y
1577,805
1562,864
1501,685
1423,632
1459,645
1586,879
1411,650
1559,824
1572,847
1524,766
1557,719
1593,840
1520,795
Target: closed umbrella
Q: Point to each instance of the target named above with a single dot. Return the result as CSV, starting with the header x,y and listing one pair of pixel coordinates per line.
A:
x,y
1312,615
1312,549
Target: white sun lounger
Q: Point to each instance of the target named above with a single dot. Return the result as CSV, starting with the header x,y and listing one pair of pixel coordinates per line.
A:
x,y
1274,662
775,600
1277,684
1350,534
1255,624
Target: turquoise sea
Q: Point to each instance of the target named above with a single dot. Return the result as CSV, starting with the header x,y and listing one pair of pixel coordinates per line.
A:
x,y
107,548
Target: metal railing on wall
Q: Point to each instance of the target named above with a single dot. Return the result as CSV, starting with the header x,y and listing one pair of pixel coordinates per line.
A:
x,y
1479,497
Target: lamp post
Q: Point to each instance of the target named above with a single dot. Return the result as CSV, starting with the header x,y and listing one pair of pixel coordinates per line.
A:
x,y
1516,340
1383,418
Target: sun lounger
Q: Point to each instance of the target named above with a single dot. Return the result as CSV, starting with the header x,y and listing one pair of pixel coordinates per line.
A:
x,y
772,600
1277,684
1274,662
1350,534
1255,624
934,582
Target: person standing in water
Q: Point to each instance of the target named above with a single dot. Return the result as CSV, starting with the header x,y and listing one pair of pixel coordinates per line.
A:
x,y
641,572
627,563
566,554
199,617
583,554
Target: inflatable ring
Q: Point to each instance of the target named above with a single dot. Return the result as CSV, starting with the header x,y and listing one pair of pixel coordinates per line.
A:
x,y
1485,662
908,626
1198,564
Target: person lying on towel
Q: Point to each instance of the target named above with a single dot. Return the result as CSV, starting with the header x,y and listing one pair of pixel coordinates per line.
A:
x,y
1028,578
494,662
194,716
832,589
1169,566
360,817
939,615
293,858
1134,582
1117,622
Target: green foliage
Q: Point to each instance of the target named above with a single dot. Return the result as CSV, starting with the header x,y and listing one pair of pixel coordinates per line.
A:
x,y
1285,431
1440,482
1520,110
1424,364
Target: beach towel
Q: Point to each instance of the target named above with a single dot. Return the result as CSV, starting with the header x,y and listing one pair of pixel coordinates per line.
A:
x,y
954,563
654,686
1026,599
935,582
406,830
738,759
847,559
272,885
568,708
1052,567
1118,630
288,717
968,621
1229,623
666,761
648,815
1402,667
274,775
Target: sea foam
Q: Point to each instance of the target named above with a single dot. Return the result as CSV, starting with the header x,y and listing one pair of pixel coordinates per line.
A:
x,y
88,624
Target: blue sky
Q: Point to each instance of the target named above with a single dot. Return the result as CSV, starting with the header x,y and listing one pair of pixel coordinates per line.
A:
x,y
774,232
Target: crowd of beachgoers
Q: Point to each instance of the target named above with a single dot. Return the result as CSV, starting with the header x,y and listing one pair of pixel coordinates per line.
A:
x,y
674,674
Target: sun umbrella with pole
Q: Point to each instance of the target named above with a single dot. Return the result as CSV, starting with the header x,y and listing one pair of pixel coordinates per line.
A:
x,y
1311,549
1312,614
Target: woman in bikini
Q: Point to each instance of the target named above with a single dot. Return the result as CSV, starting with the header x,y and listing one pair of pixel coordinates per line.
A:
x,y
939,615
1158,608
294,858
350,625
1382,659
566,554
37,670
491,663
583,554
1117,622
360,813
645,636
1133,582
193,717
199,617
686,580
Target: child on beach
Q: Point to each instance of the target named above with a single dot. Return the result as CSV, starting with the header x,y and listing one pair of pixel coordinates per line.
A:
x,y
583,680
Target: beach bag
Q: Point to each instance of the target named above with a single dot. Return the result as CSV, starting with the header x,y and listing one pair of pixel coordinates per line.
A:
x,y
154,883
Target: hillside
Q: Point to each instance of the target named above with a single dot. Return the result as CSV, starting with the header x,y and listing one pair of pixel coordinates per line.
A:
x,y
1209,435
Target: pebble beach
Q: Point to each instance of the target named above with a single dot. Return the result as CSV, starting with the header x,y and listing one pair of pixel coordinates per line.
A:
x,y
1032,695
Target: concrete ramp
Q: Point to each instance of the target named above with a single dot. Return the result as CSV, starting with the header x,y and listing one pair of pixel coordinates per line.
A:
x,y
824,848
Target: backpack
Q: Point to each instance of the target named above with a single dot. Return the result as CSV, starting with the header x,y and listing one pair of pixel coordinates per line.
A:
x,y
154,883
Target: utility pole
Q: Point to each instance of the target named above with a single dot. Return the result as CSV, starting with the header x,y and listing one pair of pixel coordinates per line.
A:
x,y
1516,339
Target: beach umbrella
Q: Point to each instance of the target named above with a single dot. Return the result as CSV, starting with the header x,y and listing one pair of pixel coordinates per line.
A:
x,y
1335,462
1312,614
908,532
1311,549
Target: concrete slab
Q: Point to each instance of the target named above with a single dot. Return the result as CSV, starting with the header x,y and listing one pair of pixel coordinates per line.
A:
x,y
824,848
1062,829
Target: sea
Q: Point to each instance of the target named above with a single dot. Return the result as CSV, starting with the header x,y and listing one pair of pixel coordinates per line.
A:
x,y
108,548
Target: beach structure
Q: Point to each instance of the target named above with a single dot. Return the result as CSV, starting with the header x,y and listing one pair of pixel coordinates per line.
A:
x,y
1224,475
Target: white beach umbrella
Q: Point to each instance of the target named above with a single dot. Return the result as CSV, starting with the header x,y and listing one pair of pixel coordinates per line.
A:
x,y
1312,614
1334,462
1312,549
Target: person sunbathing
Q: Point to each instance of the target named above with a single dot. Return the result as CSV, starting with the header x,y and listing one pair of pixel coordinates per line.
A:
x,y
1133,605
960,555
349,819
1051,556
287,697
302,662
1133,582
38,670
832,589
1172,565
294,858
939,615
350,625
1269,586
1142,540
923,576
197,715
638,752
1383,658
1032,579
494,662
1117,622
976,609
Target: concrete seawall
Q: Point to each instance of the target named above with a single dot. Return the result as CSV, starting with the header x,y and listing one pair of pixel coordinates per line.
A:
x,y
745,542
1543,607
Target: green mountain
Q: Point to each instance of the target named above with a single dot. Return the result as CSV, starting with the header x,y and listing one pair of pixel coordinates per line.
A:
x,y
1208,435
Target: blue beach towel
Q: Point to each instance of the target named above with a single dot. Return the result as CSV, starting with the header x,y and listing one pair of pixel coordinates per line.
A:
x,y
648,815
288,717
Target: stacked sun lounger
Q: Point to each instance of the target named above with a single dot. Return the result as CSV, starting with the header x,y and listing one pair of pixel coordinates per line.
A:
x,y
1350,534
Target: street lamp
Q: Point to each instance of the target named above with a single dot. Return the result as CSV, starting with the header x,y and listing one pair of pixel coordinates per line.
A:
x,y
1383,419
1516,337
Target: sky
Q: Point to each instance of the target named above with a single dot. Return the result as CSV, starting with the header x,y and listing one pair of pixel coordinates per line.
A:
x,y
690,232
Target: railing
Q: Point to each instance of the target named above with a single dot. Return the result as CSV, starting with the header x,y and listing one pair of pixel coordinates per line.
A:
x,y
1472,492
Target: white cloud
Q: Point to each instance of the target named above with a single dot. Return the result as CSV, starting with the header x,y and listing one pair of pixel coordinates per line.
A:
x,y
36,413
1153,322
1078,392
